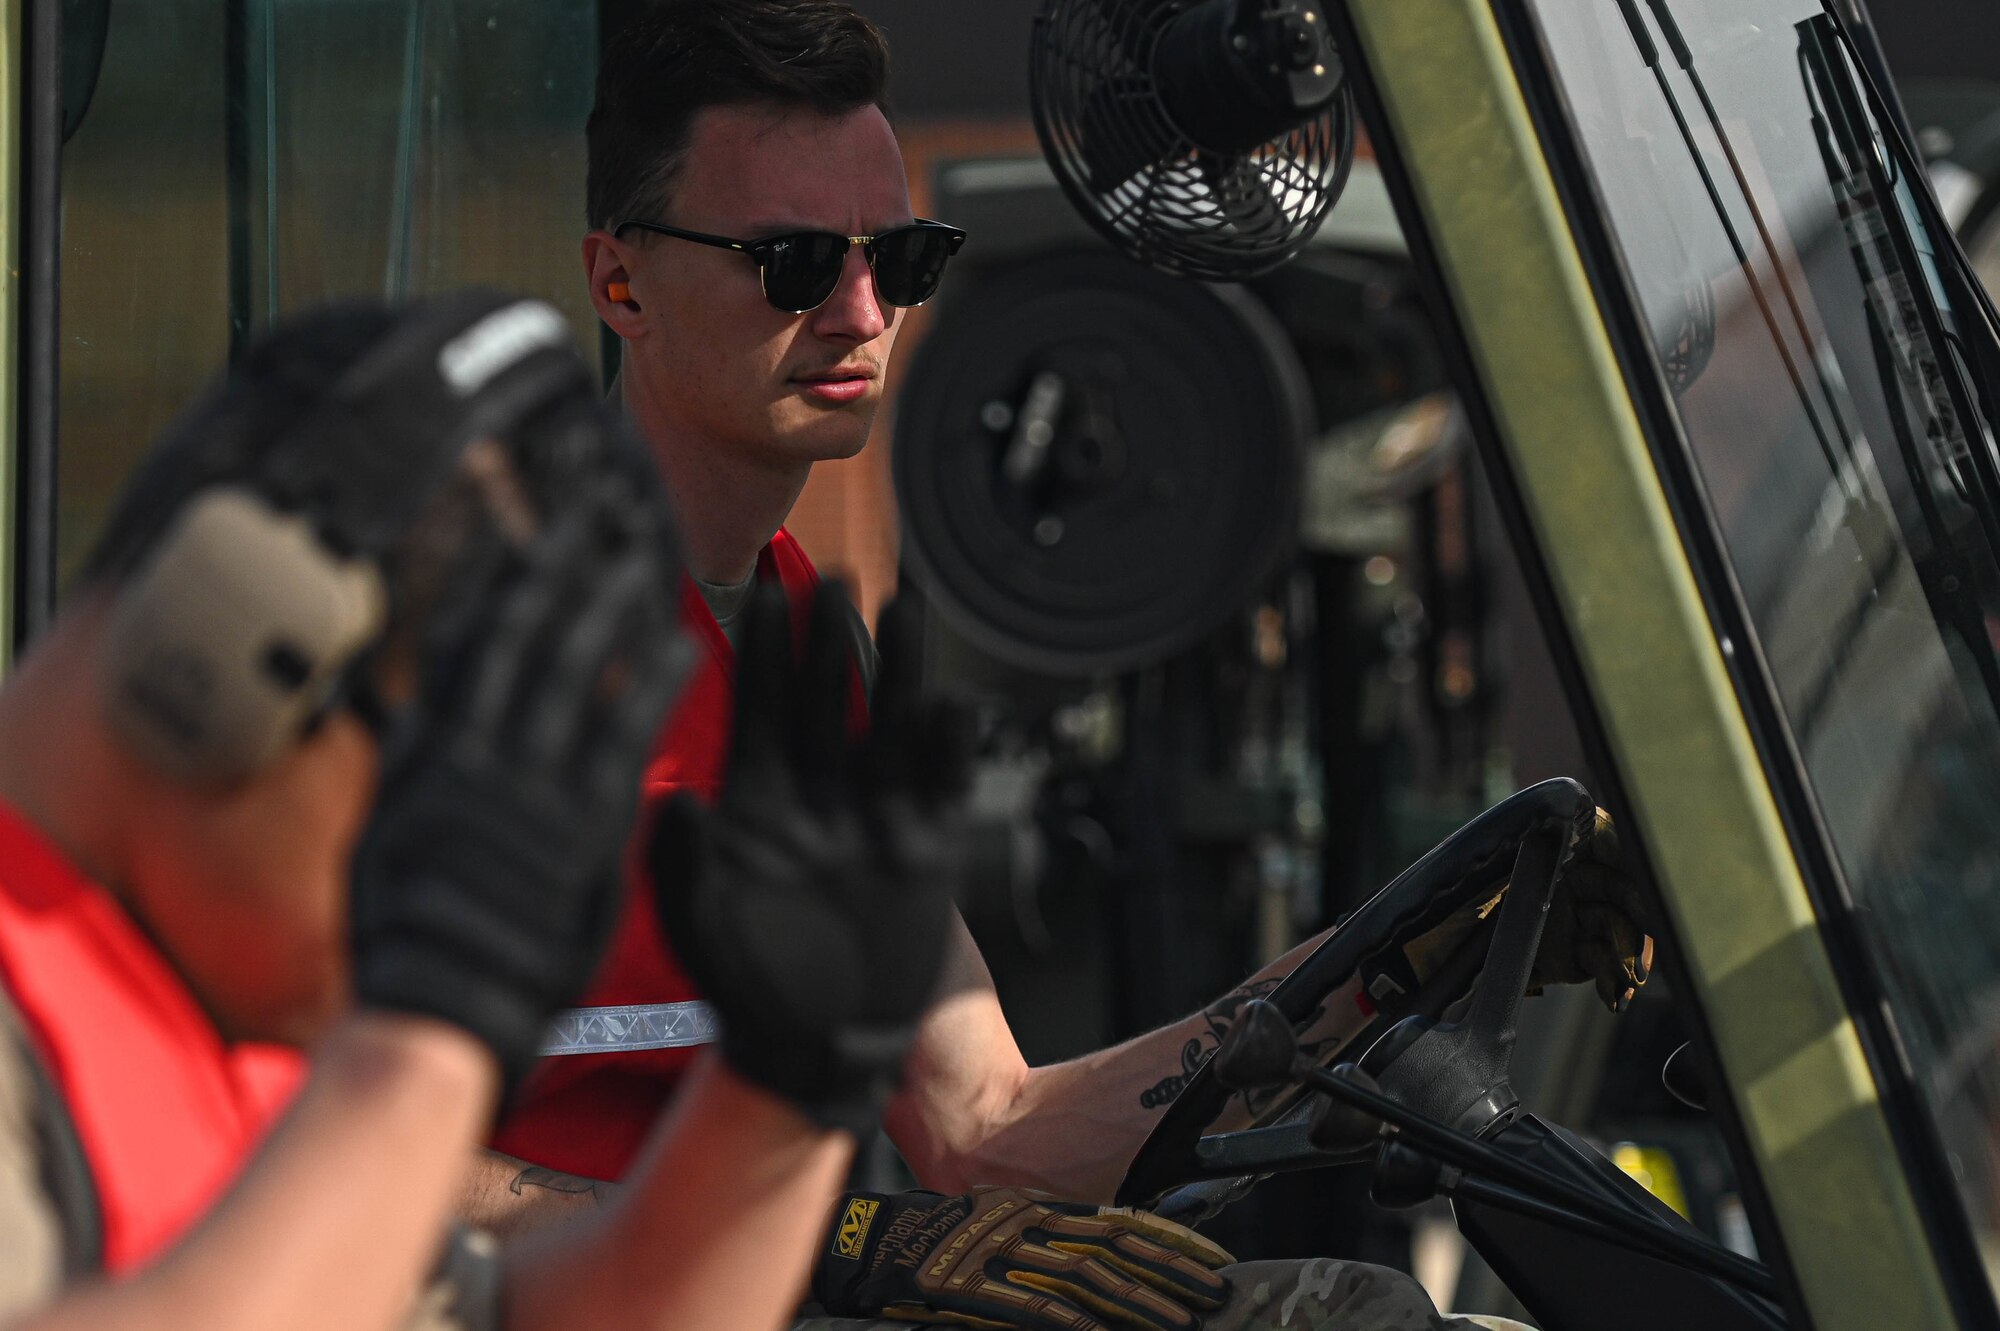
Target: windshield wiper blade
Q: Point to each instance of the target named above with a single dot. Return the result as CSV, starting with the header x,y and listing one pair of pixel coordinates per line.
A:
x,y
1868,41
1948,580
1864,106
1920,377
1839,459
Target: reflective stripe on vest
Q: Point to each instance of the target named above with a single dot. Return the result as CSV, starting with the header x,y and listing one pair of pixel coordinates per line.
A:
x,y
634,1026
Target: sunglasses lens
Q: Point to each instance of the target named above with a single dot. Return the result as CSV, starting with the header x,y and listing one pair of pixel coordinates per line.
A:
x,y
909,263
801,271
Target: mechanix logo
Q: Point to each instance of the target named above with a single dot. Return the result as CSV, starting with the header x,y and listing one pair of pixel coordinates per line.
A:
x,y
852,1234
913,1233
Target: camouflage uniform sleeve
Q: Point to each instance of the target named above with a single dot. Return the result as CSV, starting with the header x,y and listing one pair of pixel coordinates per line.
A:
x,y
31,1237
464,1292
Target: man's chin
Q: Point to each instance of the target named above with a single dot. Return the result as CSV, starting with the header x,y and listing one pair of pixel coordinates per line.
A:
x,y
843,450
826,439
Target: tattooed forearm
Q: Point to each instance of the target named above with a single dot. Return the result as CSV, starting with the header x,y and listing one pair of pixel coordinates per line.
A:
x,y
1222,1013
1217,1019
1168,1089
549,1180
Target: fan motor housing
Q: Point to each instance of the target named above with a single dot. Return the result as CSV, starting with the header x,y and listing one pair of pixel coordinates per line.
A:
x,y
1234,74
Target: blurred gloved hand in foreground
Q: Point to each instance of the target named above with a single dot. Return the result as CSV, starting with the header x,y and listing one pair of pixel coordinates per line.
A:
x,y
813,903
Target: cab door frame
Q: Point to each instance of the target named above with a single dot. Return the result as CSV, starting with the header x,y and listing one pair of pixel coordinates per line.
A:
x,y
15,106
30,328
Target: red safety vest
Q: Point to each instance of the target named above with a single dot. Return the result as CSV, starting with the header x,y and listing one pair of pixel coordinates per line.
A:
x,y
587,1113
166,1112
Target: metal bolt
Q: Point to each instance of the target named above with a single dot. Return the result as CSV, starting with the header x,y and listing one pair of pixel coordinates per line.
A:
x,y
997,416
1048,531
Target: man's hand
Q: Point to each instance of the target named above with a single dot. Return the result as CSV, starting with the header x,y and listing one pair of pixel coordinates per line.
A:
x,y
812,904
1596,931
486,883
1015,1258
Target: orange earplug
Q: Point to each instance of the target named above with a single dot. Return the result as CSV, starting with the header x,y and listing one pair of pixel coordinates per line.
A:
x,y
619,291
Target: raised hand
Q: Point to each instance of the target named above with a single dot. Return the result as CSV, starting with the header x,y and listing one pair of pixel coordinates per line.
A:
x,y
812,904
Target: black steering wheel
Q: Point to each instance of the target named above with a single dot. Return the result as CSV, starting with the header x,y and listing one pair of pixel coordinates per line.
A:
x,y
1525,839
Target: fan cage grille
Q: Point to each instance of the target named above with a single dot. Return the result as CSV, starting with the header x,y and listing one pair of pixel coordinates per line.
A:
x,y
1098,112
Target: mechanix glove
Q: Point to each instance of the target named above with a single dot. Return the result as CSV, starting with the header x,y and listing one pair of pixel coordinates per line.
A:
x,y
486,883
812,904
1014,1258
1596,930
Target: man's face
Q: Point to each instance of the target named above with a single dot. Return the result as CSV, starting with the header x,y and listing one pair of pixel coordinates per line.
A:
x,y
717,364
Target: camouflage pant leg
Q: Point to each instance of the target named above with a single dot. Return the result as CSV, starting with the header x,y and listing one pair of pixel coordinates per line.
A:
x,y
1327,1295
1317,1295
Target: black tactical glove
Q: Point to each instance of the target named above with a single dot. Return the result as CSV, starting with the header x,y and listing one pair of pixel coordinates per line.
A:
x,y
812,904
486,885
1008,1257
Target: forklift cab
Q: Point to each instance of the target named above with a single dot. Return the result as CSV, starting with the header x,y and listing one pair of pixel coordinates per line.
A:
x,y
1723,353
1735,390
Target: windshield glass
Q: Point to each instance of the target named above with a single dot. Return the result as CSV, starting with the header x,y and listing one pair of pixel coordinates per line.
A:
x,y
1819,367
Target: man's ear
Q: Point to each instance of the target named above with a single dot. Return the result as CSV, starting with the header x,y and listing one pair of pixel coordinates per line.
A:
x,y
604,263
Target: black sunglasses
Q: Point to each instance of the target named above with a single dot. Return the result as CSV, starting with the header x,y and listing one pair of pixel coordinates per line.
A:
x,y
800,269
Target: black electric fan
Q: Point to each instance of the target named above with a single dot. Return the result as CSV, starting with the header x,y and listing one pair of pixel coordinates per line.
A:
x,y
1206,139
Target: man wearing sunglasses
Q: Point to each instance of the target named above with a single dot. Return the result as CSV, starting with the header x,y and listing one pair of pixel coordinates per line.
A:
x,y
753,246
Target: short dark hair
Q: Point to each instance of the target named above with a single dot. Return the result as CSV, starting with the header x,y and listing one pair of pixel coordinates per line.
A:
x,y
679,57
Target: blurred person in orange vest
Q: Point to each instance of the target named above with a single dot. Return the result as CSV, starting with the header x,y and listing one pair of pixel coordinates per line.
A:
x,y
337,747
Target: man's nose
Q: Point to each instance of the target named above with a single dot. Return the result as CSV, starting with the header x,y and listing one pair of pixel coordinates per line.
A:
x,y
854,312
